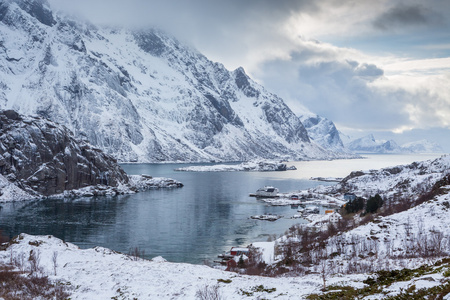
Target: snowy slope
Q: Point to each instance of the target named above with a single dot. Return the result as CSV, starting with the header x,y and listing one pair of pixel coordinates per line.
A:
x,y
323,132
140,95
405,186
368,144
422,146
101,273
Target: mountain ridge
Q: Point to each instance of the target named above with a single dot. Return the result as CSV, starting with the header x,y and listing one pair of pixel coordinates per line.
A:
x,y
368,144
141,95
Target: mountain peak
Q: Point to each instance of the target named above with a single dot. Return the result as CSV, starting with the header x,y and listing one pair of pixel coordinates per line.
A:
x,y
141,95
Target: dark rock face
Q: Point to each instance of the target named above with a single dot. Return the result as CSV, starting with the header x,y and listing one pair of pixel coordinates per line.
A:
x,y
43,157
37,9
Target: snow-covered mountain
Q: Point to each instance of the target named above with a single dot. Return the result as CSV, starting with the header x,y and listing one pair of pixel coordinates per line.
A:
x,y
323,132
422,146
139,95
368,144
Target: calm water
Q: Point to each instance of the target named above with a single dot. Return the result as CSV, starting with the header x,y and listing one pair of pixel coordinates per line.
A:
x,y
204,218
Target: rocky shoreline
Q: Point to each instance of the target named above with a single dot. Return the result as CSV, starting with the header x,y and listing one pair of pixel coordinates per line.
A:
x,y
42,159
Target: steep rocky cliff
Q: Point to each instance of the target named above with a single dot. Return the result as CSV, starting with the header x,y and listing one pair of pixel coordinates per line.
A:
x,y
323,132
43,158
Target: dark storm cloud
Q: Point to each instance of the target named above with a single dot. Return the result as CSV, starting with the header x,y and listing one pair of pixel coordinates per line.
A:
x,y
166,13
225,31
403,15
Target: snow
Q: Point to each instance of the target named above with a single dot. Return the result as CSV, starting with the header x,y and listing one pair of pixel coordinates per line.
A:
x,y
267,249
11,192
245,166
138,103
100,273
266,217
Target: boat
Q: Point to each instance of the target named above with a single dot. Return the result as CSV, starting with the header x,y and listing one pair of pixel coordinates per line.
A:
x,y
294,197
266,192
312,210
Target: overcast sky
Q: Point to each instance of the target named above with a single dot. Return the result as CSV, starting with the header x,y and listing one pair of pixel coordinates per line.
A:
x,y
375,66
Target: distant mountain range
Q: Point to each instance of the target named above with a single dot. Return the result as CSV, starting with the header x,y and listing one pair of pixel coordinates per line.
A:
x,y
368,144
141,95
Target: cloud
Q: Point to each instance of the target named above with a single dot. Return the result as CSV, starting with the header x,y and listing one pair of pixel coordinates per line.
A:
x,y
402,15
356,94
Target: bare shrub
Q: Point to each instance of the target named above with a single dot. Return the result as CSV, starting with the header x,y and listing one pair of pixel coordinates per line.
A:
x,y
19,261
54,261
35,261
13,285
209,293
136,254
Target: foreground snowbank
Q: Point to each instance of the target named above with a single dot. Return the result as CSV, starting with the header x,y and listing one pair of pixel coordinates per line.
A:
x,y
257,166
100,273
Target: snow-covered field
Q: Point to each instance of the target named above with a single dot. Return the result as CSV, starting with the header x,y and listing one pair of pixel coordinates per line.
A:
x,y
101,273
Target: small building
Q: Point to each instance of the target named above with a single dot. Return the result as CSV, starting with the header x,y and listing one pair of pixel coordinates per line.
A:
x,y
238,251
234,262
334,218
349,196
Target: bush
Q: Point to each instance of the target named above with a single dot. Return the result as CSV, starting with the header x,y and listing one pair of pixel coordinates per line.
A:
x,y
13,285
209,293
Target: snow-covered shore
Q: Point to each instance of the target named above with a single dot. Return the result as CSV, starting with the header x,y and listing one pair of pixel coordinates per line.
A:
x,y
11,192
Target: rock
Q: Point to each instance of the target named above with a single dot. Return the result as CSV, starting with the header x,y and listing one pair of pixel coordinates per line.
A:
x,y
45,157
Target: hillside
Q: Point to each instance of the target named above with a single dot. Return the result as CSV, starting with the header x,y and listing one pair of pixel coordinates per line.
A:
x,y
140,95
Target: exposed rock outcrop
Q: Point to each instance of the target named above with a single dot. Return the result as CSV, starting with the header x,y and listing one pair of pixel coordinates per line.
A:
x,y
44,158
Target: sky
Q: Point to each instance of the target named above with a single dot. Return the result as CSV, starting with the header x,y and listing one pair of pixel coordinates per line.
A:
x,y
377,67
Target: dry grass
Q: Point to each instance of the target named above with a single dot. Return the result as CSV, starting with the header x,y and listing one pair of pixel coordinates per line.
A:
x,y
23,286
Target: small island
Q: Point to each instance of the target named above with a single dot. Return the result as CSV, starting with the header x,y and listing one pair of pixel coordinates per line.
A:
x,y
255,166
